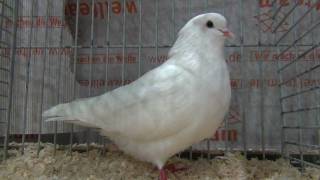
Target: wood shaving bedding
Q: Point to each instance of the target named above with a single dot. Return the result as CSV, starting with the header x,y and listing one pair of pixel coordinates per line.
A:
x,y
115,165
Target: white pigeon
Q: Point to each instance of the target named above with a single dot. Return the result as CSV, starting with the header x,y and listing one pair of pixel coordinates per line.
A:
x,y
169,108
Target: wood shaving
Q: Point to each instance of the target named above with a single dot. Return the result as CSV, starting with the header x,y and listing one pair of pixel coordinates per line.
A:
x,y
115,165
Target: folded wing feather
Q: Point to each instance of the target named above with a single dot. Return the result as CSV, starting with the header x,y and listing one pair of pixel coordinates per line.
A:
x,y
150,108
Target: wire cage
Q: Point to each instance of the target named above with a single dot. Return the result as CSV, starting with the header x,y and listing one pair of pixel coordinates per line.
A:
x,y
57,51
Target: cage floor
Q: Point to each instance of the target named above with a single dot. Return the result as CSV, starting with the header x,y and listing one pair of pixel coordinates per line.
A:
x,y
116,165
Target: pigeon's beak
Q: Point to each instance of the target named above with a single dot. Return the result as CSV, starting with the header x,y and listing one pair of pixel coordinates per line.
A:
x,y
227,33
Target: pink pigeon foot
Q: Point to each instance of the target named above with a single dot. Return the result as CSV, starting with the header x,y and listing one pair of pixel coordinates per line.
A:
x,y
163,175
173,168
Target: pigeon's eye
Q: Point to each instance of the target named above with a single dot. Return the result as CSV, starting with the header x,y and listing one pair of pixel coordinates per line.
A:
x,y
210,24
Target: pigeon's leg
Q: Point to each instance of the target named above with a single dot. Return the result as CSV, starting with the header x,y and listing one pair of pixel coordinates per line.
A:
x,y
163,175
173,168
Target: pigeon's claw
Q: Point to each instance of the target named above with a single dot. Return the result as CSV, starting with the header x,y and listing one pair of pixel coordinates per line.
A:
x,y
173,168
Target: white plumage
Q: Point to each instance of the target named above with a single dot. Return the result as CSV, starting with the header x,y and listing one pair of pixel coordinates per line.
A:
x,y
171,107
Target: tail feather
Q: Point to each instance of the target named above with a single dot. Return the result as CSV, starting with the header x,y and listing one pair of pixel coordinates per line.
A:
x,y
70,113
71,120
56,111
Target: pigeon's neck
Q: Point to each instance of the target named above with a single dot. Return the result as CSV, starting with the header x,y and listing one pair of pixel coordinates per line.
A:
x,y
211,53
203,48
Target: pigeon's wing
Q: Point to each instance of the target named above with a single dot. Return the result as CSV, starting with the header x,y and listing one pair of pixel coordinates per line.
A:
x,y
154,106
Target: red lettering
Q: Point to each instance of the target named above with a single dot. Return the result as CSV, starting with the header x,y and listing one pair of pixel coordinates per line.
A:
x,y
300,2
223,135
84,9
131,59
95,60
284,2
216,136
40,22
118,59
272,82
67,51
318,6
100,8
263,55
37,51
234,57
116,7
98,83
84,82
265,3
232,135
83,59
308,3
127,81
292,83
102,12
309,82
8,23
235,83
56,22
72,9
254,83
131,7
275,57
53,51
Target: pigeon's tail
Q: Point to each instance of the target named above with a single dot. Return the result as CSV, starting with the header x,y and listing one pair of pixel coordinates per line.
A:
x,y
56,111
68,113
61,112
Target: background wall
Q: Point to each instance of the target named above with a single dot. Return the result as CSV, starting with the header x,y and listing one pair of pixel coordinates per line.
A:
x,y
107,56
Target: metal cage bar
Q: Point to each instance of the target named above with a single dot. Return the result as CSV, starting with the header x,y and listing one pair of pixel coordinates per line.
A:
x,y
26,99
12,70
140,38
107,62
286,16
244,109
262,91
299,97
297,22
117,46
297,77
59,82
299,57
125,43
88,131
44,67
75,54
300,92
226,120
282,120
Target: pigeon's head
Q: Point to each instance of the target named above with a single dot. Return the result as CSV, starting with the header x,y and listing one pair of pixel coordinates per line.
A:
x,y
203,32
210,25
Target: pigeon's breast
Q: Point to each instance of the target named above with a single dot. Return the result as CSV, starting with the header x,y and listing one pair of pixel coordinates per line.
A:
x,y
214,99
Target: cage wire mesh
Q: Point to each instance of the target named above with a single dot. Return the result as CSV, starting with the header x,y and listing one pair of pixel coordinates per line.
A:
x,y
57,51
8,43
